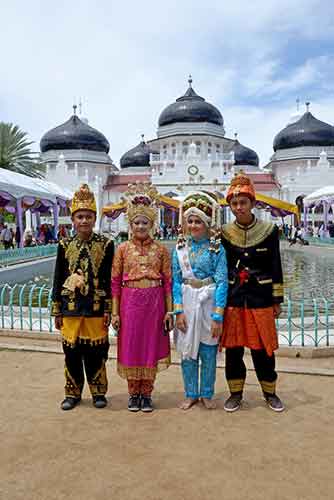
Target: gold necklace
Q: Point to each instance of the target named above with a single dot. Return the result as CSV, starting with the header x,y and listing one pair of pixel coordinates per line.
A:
x,y
196,254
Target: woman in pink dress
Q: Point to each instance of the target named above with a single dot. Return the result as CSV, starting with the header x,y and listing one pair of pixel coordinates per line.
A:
x,y
142,303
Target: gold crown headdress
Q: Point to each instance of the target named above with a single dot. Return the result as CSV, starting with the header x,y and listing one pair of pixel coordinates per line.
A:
x,y
141,199
206,207
83,199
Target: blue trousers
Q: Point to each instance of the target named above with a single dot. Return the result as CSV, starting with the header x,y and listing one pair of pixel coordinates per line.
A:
x,y
190,368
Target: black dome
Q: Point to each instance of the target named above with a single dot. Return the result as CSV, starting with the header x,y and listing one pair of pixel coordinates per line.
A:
x,y
190,108
244,155
74,134
137,157
307,131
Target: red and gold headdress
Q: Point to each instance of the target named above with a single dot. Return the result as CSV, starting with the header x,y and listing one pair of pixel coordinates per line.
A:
x,y
241,184
141,199
83,199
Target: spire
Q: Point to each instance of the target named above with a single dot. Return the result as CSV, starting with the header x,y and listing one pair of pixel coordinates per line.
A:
x,y
235,136
307,104
190,81
297,104
75,109
142,138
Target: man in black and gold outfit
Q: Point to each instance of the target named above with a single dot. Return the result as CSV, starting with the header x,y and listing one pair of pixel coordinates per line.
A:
x,y
81,302
254,296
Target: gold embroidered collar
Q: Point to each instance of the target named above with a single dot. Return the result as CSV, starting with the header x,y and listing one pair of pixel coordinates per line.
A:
x,y
247,236
247,226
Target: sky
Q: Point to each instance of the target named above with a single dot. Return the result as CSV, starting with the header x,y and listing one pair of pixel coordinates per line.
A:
x,y
127,60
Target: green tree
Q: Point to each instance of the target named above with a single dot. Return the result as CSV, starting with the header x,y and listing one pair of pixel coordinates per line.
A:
x,y
15,152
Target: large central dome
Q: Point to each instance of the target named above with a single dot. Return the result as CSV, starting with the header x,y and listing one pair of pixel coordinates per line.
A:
x,y
74,134
190,108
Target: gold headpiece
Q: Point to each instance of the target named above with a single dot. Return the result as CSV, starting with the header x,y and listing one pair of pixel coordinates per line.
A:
x,y
83,199
141,199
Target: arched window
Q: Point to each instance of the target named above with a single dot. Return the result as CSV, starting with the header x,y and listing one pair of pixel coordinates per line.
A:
x,y
164,152
173,149
185,147
209,148
198,147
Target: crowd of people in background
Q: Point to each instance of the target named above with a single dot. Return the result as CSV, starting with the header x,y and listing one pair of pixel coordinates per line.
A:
x,y
167,232
45,234
300,234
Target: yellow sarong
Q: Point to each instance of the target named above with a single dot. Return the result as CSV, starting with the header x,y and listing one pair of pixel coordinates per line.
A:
x,y
84,330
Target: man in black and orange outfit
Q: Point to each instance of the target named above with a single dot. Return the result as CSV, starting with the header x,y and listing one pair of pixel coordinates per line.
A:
x,y
81,302
254,296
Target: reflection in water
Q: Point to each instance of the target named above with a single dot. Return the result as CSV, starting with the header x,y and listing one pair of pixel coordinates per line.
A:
x,y
308,276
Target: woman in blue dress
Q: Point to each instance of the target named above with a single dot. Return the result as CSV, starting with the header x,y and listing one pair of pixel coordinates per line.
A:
x,y
199,295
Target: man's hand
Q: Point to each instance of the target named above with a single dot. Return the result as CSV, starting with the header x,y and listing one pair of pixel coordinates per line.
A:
x,y
216,328
116,322
181,322
58,321
277,310
107,319
168,322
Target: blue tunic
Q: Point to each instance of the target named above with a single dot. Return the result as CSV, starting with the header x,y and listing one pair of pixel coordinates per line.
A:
x,y
204,264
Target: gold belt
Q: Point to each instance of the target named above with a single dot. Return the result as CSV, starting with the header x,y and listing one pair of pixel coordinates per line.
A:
x,y
197,283
143,283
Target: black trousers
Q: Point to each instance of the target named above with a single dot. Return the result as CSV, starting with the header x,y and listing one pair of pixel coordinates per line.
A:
x,y
90,359
235,369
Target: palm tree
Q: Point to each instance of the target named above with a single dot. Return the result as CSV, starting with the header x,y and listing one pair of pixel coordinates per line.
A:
x,y
15,152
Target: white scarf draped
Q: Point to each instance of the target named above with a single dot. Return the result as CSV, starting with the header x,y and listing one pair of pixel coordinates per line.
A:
x,y
197,307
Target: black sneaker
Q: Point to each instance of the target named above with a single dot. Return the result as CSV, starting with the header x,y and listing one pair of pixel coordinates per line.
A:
x,y
233,403
134,403
99,401
69,403
146,404
274,402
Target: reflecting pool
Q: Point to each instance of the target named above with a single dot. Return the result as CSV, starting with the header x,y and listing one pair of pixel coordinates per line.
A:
x,y
307,275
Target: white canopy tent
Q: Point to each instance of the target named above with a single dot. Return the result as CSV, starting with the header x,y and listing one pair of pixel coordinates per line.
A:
x,y
322,194
19,192
323,197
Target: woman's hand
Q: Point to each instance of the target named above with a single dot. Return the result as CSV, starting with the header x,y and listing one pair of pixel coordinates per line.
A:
x,y
181,322
116,322
106,319
216,328
168,322
58,321
277,310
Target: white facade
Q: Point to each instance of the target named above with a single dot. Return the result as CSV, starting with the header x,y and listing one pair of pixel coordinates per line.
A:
x,y
75,167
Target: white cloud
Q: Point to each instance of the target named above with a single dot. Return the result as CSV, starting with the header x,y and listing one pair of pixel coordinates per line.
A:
x,y
131,59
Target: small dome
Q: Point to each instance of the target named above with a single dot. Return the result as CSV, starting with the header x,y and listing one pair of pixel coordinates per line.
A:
x,y
307,131
190,108
244,155
138,156
74,134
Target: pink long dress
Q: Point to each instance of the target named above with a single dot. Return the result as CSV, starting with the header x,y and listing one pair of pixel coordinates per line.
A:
x,y
141,279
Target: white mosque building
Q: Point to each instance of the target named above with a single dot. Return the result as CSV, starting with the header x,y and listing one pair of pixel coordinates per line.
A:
x,y
190,151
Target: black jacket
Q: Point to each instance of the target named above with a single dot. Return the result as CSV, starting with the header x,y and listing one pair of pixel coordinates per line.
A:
x,y
254,264
93,258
